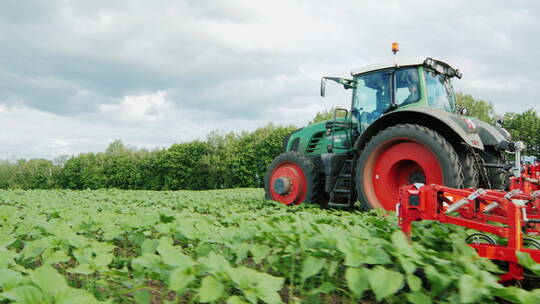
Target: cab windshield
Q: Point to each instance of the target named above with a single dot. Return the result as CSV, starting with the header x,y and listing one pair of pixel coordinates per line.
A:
x,y
439,91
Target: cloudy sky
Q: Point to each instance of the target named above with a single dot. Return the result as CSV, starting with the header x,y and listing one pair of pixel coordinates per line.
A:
x,y
76,75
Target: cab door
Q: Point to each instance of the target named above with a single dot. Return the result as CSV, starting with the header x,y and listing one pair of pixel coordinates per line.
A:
x,y
372,97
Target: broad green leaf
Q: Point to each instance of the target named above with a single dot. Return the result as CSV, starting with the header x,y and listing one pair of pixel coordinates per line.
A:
x,y
111,233
146,260
214,263
357,254
384,282
7,257
82,255
375,255
149,246
418,298
259,252
35,248
103,260
406,264
240,250
256,284
331,267
84,268
528,262
402,244
311,266
468,292
357,280
9,279
414,282
210,290
325,287
438,281
72,295
179,279
24,295
6,240
172,256
142,297
517,295
78,241
203,249
48,280
54,257
163,228
236,300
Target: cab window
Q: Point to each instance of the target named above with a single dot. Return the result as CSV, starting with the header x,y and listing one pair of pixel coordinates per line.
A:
x,y
407,86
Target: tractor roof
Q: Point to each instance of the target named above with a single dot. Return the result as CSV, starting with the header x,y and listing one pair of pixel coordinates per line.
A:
x,y
384,65
390,64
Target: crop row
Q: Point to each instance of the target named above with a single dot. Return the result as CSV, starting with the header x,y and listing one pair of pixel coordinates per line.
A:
x,y
232,246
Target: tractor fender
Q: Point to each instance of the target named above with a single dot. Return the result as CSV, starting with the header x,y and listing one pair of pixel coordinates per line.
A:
x,y
491,135
451,126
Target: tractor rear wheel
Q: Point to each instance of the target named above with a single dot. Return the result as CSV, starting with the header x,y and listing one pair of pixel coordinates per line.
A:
x,y
470,173
404,154
498,177
291,179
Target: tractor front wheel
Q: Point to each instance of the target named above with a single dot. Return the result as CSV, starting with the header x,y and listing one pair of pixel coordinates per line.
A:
x,y
400,155
291,179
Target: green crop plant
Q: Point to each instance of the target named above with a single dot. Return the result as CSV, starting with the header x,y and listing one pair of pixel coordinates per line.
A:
x,y
228,246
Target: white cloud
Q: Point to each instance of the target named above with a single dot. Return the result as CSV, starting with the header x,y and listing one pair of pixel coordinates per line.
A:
x,y
141,108
78,74
145,121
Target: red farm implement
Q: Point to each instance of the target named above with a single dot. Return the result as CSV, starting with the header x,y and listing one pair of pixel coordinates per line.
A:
x,y
509,215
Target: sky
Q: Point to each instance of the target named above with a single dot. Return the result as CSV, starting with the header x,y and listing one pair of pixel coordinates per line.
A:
x,y
77,75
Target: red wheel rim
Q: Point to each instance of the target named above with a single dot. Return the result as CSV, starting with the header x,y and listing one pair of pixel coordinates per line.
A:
x,y
298,183
395,163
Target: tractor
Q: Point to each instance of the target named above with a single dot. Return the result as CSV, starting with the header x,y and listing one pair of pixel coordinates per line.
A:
x,y
403,128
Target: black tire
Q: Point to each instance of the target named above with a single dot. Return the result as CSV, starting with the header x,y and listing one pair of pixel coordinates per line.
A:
x,y
480,238
498,177
426,141
470,173
300,164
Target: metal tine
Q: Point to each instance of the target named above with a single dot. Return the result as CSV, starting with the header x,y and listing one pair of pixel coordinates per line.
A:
x,y
462,202
490,207
512,193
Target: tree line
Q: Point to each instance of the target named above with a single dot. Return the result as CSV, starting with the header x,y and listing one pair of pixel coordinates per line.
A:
x,y
220,161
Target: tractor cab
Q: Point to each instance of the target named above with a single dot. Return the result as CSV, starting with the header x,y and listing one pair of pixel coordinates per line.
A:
x,y
381,89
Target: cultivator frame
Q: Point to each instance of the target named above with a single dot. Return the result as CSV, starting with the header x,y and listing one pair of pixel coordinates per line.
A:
x,y
508,215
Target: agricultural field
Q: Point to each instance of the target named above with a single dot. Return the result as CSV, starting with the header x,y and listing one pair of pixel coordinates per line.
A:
x,y
228,246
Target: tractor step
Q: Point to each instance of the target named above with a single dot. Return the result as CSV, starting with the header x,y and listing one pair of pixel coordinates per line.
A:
x,y
342,195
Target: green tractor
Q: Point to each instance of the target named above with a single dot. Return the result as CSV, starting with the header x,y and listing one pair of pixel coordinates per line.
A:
x,y
403,127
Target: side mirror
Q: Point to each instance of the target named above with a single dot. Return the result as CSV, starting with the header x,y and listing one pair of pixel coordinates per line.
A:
x,y
323,87
346,83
